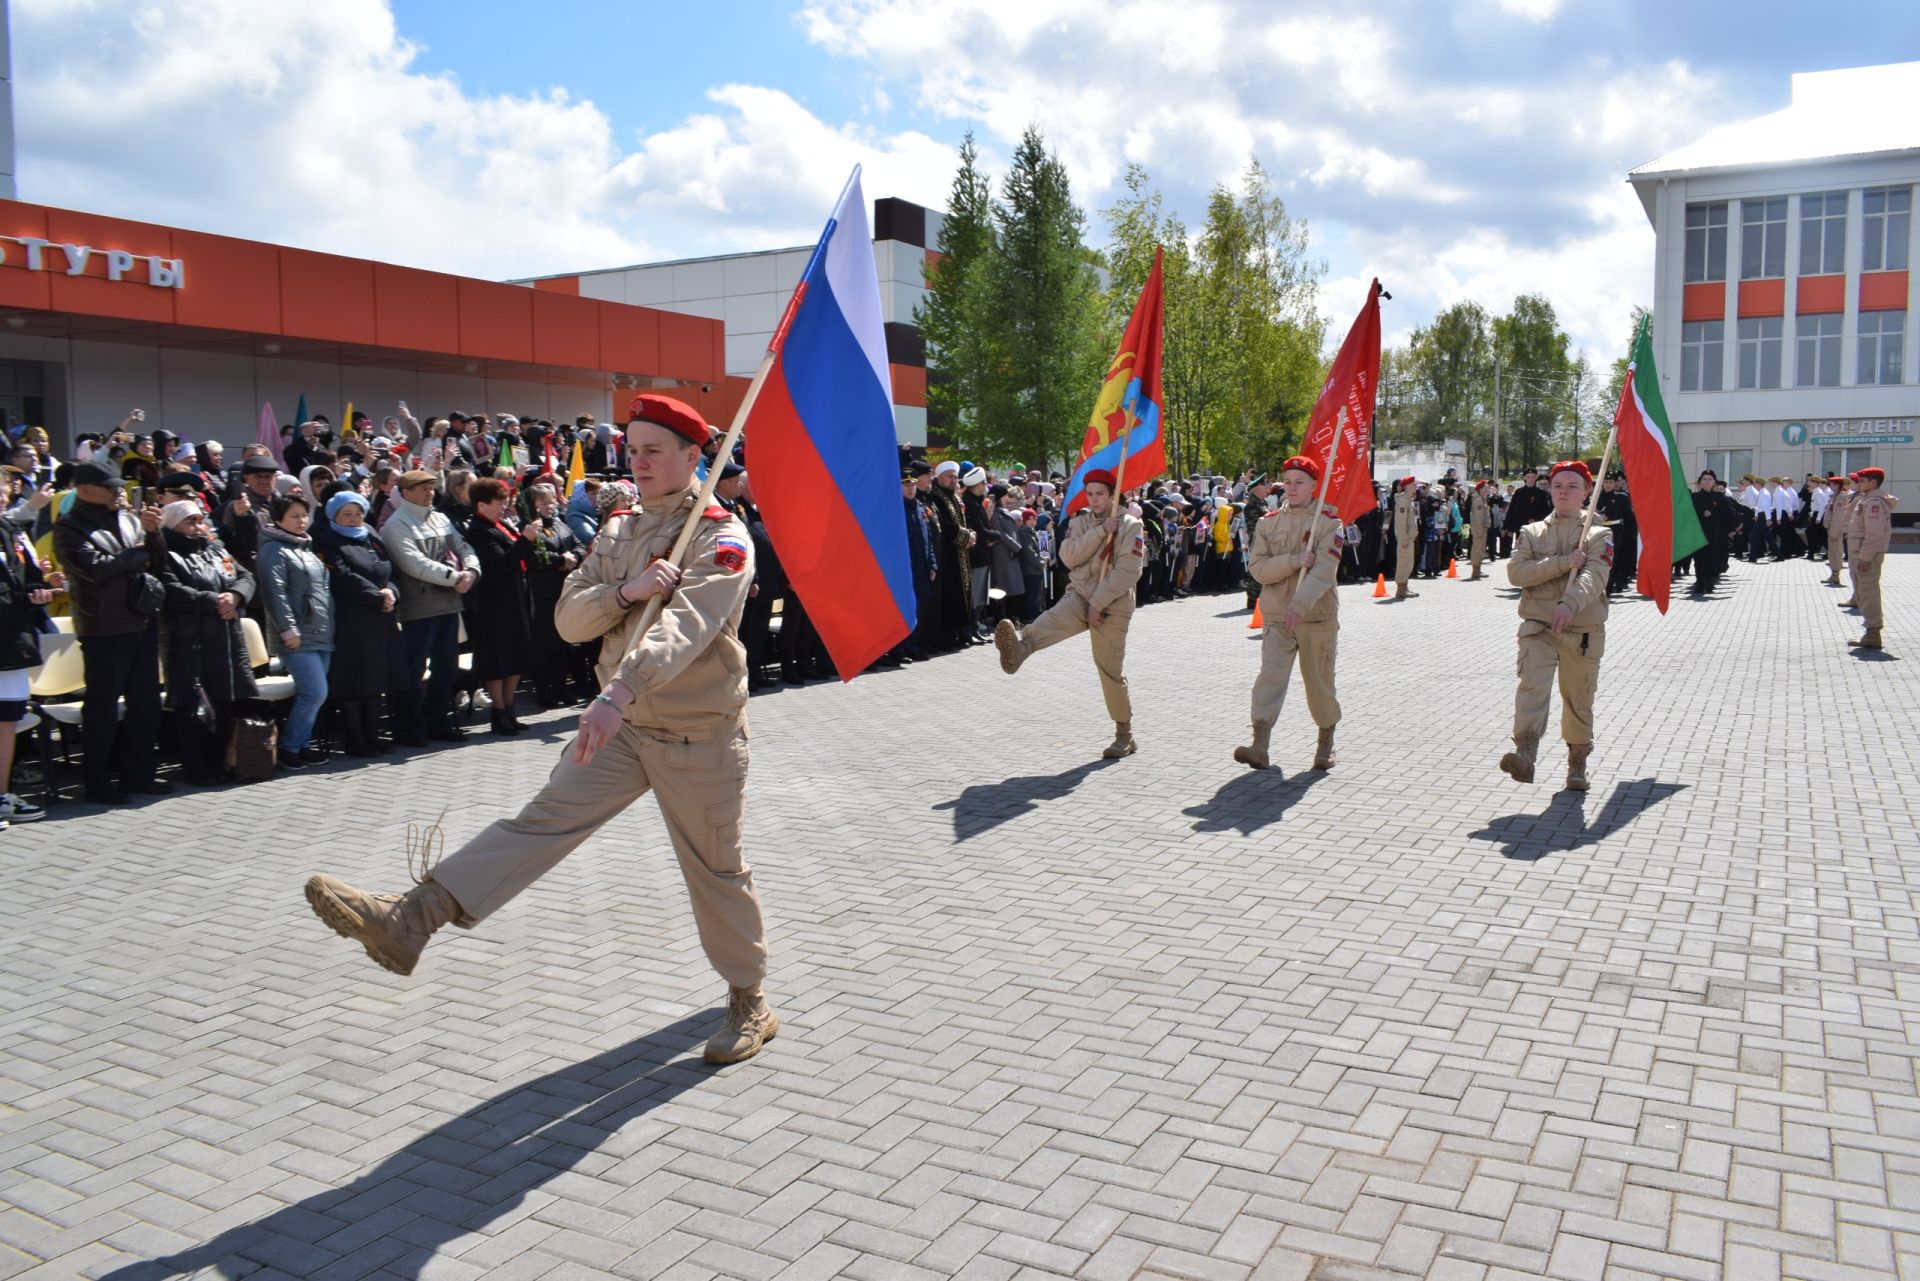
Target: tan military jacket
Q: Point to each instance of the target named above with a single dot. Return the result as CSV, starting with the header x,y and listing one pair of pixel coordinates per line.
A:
x,y
1479,511
1837,513
689,673
1406,516
1273,559
1539,569
1870,524
1087,573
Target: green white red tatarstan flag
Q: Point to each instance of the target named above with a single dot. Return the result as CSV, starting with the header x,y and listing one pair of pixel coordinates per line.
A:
x,y
1650,456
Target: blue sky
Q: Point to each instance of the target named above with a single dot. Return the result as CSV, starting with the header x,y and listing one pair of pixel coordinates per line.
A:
x,y
1467,150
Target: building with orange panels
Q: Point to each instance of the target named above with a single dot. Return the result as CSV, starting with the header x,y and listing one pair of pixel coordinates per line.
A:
x,y
100,315
1784,259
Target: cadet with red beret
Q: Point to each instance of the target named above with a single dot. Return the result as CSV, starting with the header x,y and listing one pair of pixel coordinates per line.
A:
x,y
1869,531
670,717
1563,623
1406,535
1479,518
1836,518
1104,551
1295,557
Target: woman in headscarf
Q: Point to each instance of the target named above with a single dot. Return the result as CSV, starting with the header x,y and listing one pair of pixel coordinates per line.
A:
x,y
369,661
204,646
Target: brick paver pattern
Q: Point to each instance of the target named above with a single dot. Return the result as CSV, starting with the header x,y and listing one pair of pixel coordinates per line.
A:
x,y
1044,1015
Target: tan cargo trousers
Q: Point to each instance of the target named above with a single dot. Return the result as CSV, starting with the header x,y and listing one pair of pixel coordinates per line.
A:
x,y
1068,618
1479,534
700,787
1403,561
1314,644
1866,589
1575,655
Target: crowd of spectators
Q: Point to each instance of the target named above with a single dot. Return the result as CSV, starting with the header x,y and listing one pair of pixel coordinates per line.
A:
x,y
403,576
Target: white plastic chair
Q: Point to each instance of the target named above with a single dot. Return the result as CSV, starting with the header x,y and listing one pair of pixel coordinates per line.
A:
x,y
273,689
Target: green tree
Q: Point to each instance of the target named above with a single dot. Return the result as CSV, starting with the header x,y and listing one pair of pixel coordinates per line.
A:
x,y
1046,302
1450,365
1535,371
954,317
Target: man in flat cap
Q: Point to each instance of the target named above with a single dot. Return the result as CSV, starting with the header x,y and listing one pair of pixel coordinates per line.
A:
x,y
1295,557
1563,623
1869,531
670,718
1406,535
1104,551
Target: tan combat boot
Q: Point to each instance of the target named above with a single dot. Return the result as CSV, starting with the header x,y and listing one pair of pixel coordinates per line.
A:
x,y
1400,592
394,928
1256,753
1013,647
1122,744
1848,603
750,1024
1870,641
1323,757
1577,766
1519,762
1475,576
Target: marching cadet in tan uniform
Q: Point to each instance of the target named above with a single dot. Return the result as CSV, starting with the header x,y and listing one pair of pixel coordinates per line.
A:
x,y
1104,551
1562,629
670,718
1837,512
1301,612
1869,531
1479,515
1406,536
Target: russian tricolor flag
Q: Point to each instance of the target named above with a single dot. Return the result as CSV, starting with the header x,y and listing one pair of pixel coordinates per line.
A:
x,y
821,450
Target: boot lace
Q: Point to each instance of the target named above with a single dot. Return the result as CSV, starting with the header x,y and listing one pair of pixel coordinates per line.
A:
x,y
744,1010
425,847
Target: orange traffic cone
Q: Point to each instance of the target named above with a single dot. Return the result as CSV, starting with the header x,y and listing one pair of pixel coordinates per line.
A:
x,y
1453,568
1379,586
1254,623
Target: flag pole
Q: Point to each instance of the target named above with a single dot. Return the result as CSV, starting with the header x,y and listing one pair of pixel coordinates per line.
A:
x,y
1119,487
1326,487
1593,499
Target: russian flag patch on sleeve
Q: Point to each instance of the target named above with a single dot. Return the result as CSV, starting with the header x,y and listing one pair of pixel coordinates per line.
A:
x,y
730,553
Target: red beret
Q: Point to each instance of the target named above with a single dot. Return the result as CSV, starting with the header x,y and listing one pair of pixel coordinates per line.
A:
x,y
1873,473
1853,475
1836,480
1099,476
1300,462
1586,473
1479,484
1409,480
677,416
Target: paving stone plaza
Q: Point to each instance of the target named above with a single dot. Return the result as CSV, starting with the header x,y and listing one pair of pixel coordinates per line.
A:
x,y
1043,1015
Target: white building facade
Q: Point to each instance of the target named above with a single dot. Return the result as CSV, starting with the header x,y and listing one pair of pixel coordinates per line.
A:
x,y
1784,295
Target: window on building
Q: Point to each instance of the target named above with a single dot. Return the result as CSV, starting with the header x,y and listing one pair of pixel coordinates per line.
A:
x,y
1706,242
1763,238
1839,462
1701,344
1882,335
1728,464
1760,343
1819,364
1884,229
1823,233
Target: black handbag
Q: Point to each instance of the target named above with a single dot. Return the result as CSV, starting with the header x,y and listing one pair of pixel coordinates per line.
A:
x,y
145,595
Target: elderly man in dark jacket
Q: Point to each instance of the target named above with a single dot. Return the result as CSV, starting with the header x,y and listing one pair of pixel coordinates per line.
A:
x,y
107,553
204,647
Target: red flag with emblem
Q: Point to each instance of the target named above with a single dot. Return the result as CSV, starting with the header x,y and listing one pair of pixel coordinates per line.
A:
x,y
1344,413
1129,404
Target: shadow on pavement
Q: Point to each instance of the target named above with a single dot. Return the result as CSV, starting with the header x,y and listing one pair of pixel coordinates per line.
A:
x,y
1252,801
470,1171
985,806
1563,826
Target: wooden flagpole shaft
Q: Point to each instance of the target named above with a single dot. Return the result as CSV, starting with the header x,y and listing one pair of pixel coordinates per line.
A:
x,y
1119,483
1593,499
1326,487
651,613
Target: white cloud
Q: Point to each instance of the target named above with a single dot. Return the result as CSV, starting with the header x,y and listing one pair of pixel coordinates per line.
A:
x,y
1536,11
309,125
